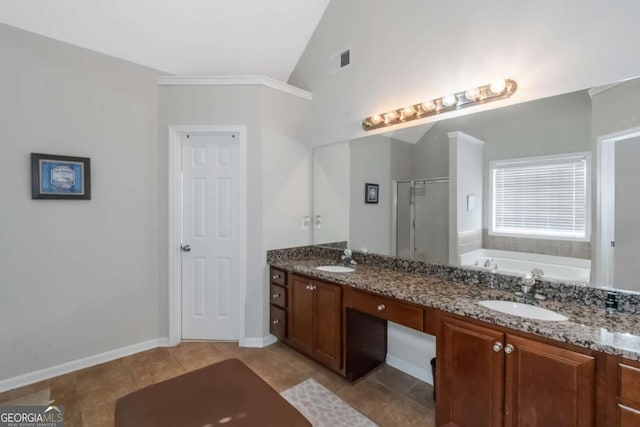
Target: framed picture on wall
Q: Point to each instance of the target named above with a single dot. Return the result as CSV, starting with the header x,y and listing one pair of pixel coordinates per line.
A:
x,y
371,193
60,177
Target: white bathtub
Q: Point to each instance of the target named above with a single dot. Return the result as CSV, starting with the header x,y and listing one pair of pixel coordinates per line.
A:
x,y
554,267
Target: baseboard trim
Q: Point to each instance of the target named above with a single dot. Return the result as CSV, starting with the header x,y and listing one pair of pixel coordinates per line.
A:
x,y
74,365
259,342
415,371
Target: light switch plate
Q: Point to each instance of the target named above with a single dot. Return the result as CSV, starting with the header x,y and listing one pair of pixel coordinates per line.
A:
x,y
305,221
471,202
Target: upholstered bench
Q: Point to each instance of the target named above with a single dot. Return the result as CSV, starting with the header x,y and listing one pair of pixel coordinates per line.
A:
x,y
226,394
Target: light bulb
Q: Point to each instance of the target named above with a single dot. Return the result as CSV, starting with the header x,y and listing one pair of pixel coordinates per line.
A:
x,y
449,100
472,94
408,111
376,119
390,116
498,86
428,106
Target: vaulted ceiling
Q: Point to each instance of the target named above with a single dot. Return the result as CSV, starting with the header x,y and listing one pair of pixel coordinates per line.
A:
x,y
186,37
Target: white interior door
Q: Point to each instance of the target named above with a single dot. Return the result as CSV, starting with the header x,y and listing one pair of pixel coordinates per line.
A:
x,y
626,268
210,236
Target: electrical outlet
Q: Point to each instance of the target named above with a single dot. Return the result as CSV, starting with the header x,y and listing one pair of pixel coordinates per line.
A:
x,y
305,221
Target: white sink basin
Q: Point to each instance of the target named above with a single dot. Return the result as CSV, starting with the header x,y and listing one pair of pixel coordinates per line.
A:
x,y
335,269
524,310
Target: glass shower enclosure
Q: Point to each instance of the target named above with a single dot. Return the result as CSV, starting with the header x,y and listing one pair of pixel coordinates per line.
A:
x,y
422,219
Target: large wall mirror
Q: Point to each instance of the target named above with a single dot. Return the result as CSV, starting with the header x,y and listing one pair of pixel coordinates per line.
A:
x,y
550,184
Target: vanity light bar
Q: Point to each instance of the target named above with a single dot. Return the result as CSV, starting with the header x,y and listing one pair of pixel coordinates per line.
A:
x,y
499,89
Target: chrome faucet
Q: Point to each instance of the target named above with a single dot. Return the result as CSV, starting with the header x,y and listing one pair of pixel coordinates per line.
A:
x,y
347,258
529,285
490,263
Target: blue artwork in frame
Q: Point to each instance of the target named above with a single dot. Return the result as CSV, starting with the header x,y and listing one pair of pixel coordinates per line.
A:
x,y
60,177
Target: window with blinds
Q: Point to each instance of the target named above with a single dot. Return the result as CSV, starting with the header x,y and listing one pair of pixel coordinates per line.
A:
x,y
542,197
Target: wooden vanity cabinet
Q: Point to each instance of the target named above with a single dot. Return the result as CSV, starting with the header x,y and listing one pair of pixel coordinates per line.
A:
x,y
315,320
486,377
278,303
470,375
628,395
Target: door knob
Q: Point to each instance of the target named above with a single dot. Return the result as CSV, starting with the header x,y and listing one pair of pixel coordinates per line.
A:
x,y
497,347
185,248
508,349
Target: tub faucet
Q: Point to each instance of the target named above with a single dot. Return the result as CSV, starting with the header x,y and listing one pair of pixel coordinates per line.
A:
x,y
537,273
489,263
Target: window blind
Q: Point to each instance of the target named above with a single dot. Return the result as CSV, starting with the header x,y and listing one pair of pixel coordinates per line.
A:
x,y
544,197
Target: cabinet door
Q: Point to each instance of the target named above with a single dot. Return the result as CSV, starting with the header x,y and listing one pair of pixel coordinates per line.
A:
x,y
470,375
629,417
548,386
327,327
300,314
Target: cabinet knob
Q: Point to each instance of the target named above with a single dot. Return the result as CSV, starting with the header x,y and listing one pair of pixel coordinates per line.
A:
x,y
276,295
381,307
275,276
308,287
508,349
313,287
497,347
275,322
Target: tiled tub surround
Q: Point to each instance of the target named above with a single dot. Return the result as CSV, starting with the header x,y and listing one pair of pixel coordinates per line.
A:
x,y
537,246
456,290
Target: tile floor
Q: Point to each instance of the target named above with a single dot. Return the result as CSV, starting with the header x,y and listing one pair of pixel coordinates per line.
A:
x,y
387,396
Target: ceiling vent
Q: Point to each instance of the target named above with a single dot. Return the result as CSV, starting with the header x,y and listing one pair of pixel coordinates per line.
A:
x,y
339,61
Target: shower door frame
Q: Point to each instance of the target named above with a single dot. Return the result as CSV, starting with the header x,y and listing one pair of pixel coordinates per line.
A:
x,y
412,218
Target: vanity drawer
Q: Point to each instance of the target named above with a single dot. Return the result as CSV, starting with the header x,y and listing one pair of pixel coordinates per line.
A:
x,y
278,277
629,417
278,295
385,308
630,383
278,322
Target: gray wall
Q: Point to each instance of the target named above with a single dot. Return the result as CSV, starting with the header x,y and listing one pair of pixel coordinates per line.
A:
x,y
627,212
278,174
78,277
378,160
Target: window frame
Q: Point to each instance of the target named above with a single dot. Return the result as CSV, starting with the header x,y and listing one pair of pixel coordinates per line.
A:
x,y
494,164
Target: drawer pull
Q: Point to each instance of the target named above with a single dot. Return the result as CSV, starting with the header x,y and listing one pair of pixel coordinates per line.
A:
x,y
275,322
381,307
497,347
276,295
275,276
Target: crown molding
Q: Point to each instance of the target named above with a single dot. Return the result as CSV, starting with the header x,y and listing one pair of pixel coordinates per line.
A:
x,y
464,136
599,89
234,81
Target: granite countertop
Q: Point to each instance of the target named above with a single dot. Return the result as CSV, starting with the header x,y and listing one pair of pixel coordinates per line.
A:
x,y
588,326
